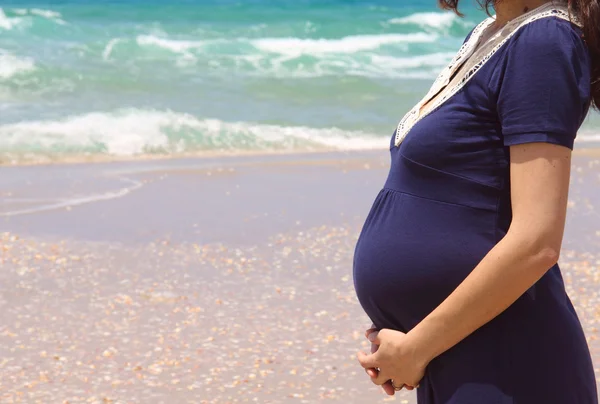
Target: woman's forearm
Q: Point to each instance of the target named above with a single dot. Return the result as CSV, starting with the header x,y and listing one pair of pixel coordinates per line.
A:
x,y
506,272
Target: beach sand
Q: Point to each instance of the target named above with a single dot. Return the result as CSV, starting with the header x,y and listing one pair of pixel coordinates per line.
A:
x,y
208,280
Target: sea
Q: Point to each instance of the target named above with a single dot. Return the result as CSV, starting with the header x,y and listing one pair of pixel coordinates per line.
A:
x,y
84,79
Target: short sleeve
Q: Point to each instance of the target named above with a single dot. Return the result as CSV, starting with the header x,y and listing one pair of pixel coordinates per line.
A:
x,y
543,84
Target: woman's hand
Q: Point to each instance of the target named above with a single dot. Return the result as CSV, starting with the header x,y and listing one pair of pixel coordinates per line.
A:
x,y
371,334
394,358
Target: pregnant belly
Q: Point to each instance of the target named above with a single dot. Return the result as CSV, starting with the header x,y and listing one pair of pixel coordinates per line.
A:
x,y
413,252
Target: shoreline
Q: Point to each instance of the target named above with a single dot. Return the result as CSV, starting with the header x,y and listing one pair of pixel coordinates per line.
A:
x,y
259,194
583,148
206,200
234,199
103,158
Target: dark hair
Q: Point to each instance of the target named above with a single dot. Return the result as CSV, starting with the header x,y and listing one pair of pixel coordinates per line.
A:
x,y
587,12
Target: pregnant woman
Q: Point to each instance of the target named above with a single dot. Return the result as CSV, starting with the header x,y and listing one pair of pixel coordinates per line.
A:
x,y
457,262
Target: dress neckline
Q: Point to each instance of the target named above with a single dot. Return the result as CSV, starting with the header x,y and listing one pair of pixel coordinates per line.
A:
x,y
470,47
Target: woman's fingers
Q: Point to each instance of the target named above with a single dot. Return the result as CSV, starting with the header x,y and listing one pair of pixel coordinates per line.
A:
x,y
369,331
374,337
388,388
381,379
368,361
372,372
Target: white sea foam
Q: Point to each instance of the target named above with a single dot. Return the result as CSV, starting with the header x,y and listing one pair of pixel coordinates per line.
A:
x,y
169,44
276,57
8,23
368,65
438,60
122,133
588,135
43,205
109,48
11,65
184,49
349,44
433,22
24,14
45,13
132,131
588,139
334,138
295,46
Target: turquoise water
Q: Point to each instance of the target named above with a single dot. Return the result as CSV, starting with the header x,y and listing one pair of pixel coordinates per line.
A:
x,y
130,77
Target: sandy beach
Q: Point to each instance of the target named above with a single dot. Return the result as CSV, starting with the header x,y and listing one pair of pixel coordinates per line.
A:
x,y
209,280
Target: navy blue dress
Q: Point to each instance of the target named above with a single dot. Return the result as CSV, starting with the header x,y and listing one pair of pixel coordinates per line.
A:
x,y
446,203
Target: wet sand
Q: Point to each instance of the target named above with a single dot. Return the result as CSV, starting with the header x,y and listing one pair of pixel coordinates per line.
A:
x,y
216,280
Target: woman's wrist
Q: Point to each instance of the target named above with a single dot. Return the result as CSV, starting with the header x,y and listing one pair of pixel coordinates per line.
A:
x,y
422,344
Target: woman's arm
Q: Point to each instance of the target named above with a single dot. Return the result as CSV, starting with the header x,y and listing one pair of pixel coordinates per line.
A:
x,y
540,175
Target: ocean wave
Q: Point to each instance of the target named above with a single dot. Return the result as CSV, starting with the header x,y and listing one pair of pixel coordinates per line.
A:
x,y
436,60
348,44
431,22
169,44
371,66
8,23
293,57
21,17
49,14
109,48
11,65
588,135
293,46
132,132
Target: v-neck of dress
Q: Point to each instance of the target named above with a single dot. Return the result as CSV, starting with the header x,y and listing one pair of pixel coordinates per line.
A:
x,y
470,58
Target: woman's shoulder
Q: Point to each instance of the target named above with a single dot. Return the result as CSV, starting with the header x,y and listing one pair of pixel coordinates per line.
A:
x,y
549,33
545,46
542,83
